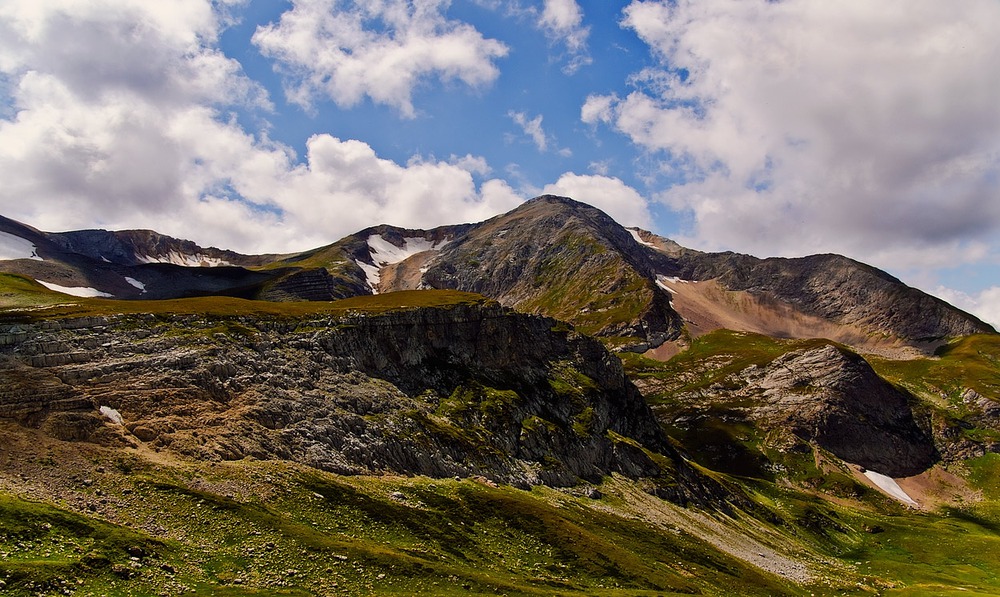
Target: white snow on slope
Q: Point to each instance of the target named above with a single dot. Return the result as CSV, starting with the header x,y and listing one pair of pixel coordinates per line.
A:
x,y
385,253
635,234
178,258
136,283
82,291
662,282
888,485
15,247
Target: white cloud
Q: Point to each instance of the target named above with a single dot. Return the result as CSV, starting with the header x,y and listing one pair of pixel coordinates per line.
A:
x,y
609,194
531,127
344,186
598,108
139,136
795,127
600,167
473,164
562,20
984,304
348,50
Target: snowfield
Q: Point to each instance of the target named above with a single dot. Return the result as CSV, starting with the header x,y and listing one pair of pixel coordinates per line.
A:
x,y
112,415
662,282
136,283
385,253
635,234
186,260
15,247
889,485
81,291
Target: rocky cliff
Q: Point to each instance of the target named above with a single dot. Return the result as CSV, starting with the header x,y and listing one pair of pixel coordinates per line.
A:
x,y
740,408
459,390
832,397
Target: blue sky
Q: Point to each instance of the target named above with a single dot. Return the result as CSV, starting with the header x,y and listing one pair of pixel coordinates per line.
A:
x,y
771,128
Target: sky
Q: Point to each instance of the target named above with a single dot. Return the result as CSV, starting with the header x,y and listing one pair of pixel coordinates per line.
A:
x,y
768,127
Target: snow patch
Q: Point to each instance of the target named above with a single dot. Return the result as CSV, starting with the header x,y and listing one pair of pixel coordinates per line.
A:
x,y
385,253
662,282
15,247
81,291
635,234
187,260
136,283
889,485
373,275
112,415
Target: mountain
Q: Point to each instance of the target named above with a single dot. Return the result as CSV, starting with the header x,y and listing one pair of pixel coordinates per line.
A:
x,y
542,403
563,259
568,260
552,256
834,296
134,264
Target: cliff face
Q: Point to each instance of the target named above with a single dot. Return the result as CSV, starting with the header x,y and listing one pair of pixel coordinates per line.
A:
x,y
744,413
460,390
833,398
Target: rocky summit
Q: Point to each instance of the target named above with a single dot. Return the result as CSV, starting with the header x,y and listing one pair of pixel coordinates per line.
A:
x,y
542,403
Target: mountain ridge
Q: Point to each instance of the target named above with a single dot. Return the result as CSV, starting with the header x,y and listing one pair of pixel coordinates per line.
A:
x,y
552,256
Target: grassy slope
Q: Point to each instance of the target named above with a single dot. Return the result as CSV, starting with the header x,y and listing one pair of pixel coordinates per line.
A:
x,y
24,299
972,362
270,528
255,528
955,551
249,528
609,294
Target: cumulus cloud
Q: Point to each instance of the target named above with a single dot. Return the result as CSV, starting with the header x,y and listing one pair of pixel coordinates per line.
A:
x,y
348,50
795,127
984,304
345,186
140,134
562,21
607,193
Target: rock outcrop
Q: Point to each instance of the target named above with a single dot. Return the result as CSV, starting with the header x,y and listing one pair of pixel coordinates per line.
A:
x,y
832,397
460,390
820,395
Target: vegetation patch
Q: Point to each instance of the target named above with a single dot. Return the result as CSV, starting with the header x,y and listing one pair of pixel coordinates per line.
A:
x,y
22,299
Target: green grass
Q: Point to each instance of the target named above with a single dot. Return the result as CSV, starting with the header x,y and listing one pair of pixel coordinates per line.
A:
x,y
274,528
304,532
22,299
609,293
972,362
43,547
711,359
